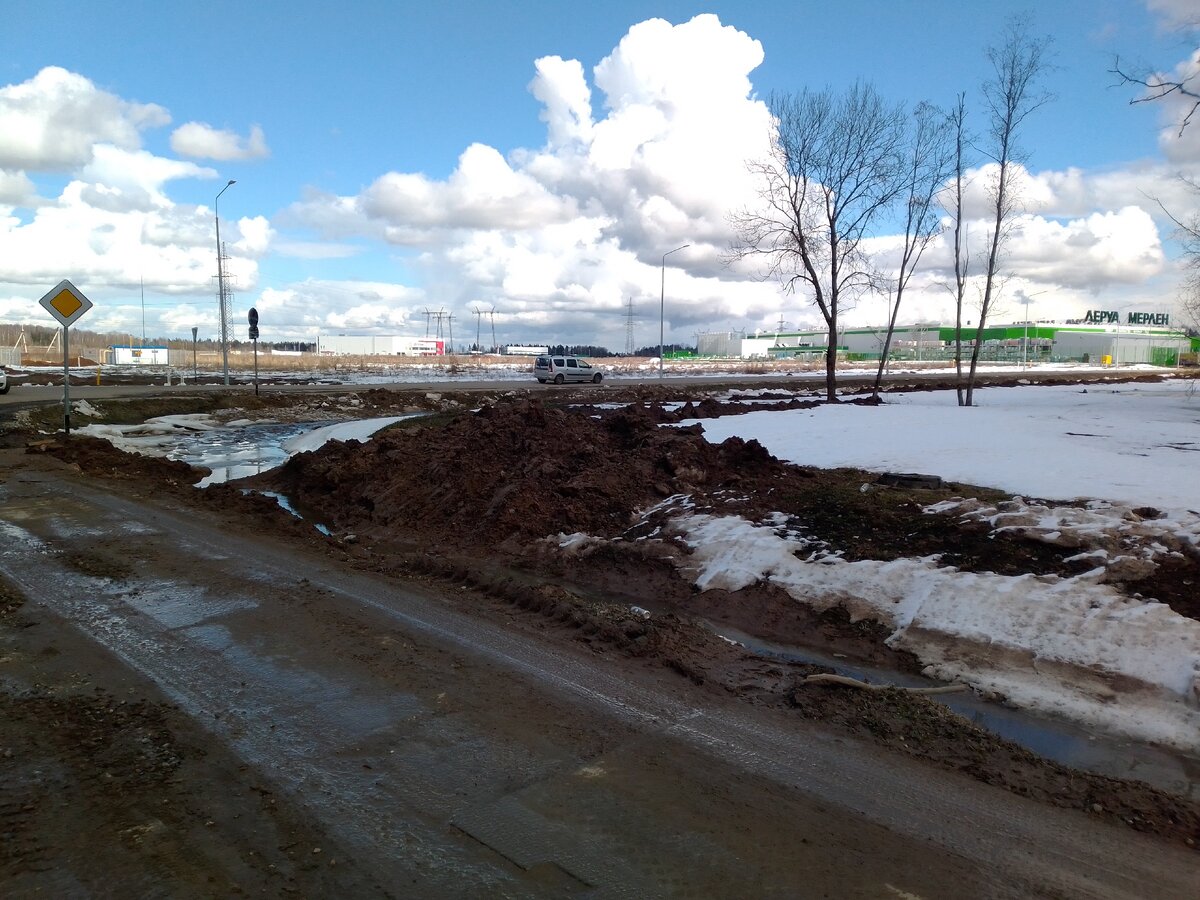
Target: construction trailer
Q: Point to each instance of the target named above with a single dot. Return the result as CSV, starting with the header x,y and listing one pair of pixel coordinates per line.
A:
x,y
138,356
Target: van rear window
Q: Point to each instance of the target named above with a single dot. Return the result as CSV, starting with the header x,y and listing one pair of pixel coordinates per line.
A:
x,y
543,361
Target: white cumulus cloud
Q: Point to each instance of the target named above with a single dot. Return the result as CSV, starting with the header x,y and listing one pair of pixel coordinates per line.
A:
x,y
201,141
52,122
565,233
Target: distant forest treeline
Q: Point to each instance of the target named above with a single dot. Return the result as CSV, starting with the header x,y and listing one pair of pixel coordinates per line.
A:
x,y
40,336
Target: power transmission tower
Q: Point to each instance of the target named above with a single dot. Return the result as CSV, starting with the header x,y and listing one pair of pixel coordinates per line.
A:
x,y
629,328
226,291
492,316
224,304
478,314
450,327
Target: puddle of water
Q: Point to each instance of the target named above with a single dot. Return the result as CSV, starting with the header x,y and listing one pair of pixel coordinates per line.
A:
x,y
179,606
286,504
242,451
238,452
295,691
1057,740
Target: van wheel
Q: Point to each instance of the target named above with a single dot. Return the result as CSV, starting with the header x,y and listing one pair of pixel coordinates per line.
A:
x,y
558,379
597,378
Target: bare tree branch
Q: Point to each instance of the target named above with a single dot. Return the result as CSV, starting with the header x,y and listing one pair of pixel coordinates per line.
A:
x,y
1160,88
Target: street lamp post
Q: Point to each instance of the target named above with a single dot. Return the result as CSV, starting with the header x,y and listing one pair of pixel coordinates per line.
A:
x,y
662,303
1026,299
221,283
1025,342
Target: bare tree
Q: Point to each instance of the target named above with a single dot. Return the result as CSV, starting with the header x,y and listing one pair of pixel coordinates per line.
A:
x,y
962,258
836,164
927,166
1010,96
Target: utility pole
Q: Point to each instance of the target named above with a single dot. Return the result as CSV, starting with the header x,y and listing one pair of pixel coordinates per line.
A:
x,y
629,327
222,293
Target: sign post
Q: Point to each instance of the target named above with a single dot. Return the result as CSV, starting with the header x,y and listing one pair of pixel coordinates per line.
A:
x,y
67,304
252,317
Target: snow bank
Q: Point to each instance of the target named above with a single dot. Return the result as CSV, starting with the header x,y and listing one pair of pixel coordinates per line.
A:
x,y
1127,443
1125,539
152,437
358,430
1070,646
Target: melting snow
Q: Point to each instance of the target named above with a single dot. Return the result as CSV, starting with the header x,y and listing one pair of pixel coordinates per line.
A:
x,y
1072,646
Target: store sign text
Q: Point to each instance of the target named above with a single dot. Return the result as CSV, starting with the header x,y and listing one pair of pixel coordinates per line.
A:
x,y
1112,317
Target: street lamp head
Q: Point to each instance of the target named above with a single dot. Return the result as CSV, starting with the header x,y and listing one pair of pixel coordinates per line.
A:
x,y
662,303
231,181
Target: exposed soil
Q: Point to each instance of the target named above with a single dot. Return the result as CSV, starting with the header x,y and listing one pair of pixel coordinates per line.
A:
x,y
469,499
103,779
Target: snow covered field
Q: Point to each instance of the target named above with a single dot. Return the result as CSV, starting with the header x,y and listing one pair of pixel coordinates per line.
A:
x,y
1070,646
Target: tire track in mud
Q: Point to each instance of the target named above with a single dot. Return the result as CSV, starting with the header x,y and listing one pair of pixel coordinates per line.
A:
x,y
1026,848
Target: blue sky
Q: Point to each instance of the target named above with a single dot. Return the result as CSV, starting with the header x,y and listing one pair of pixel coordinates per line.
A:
x,y
393,157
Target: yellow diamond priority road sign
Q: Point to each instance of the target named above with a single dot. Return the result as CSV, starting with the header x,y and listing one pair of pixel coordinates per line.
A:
x,y
66,303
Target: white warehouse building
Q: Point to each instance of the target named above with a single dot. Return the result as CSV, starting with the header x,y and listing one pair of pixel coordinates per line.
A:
x,y
379,345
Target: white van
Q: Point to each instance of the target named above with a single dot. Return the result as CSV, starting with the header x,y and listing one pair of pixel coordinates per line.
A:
x,y
562,369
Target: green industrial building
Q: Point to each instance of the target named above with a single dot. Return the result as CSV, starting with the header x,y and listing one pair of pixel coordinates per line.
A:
x,y
1018,342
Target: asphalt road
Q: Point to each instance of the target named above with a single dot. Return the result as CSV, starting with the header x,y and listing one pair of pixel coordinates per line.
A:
x,y
24,396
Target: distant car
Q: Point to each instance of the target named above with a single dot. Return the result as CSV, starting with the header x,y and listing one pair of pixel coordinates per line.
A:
x,y
561,369
3,382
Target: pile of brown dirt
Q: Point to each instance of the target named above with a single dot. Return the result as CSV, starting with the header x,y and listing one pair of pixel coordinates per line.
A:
x,y
518,470
97,457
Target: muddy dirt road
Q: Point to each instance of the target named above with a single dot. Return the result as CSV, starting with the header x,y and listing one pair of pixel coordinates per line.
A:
x,y
192,707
